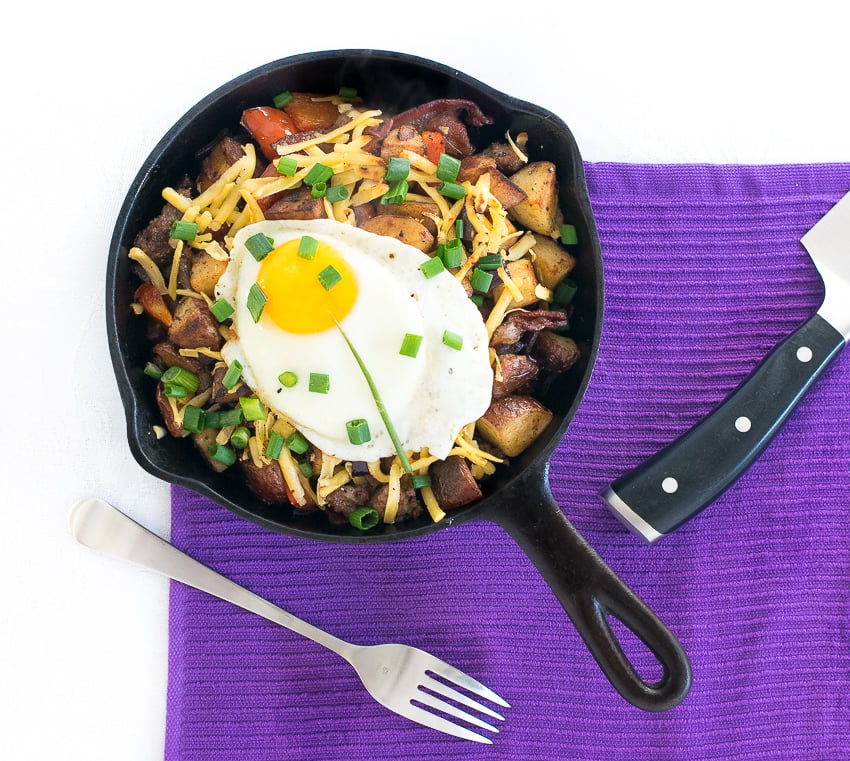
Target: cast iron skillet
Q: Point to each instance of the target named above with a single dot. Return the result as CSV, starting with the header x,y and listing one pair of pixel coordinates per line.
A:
x,y
519,501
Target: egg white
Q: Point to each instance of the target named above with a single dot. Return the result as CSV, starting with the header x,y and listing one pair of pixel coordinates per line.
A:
x,y
429,398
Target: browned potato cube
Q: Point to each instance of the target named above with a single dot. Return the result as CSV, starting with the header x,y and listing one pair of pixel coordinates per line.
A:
x,y
206,270
265,481
194,326
522,274
423,212
555,352
309,114
405,229
539,211
551,262
452,482
512,423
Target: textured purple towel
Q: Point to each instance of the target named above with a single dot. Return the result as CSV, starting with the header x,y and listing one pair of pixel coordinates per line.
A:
x,y
704,274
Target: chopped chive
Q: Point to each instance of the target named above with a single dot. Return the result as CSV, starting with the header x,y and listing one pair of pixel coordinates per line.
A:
x,y
274,446
287,165
477,299
318,173
458,228
447,168
418,480
364,518
397,169
297,443
224,418
480,280
358,431
252,408
452,340
259,245
305,468
336,193
329,277
282,99
221,309
432,267
347,92
288,378
569,235
152,371
182,230
565,292
239,437
307,247
410,345
180,376
451,190
489,262
396,194
193,419
222,454
175,391
319,189
232,375
452,254
256,301
319,383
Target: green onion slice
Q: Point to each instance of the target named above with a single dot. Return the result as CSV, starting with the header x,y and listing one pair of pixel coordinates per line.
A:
x,y
396,194
418,480
477,299
318,173
305,468
458,228
397,169
282,99
182,230
259,245
434,266
275,445
224,418
297,443
319,189
347,92
410,345
480,280
287,165
288,378
319,383
336,193
358,431
232,375
174,391
252,408
256,301
565,292
569,235
451,190
452,254
489,262
307,247
452,340
364,518
152,371
222,454
179,376
447,168
239,437
329,277
379,403
193,419
221,309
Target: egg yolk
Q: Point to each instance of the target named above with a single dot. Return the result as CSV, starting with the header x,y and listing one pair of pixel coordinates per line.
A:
x,y
299,300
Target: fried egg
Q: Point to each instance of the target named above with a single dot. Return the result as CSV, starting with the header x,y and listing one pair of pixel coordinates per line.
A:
x,y
325,281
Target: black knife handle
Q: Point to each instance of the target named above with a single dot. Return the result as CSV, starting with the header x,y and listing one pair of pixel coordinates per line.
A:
x,y
681,480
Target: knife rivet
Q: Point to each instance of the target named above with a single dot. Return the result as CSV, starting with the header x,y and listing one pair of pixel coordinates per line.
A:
x,y
804,354
743,424
670,485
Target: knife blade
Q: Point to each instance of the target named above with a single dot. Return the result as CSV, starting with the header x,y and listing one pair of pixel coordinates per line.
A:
x,y
681,480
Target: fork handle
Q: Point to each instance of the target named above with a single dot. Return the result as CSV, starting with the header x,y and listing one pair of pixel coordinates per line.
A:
x,y
590,592
100,526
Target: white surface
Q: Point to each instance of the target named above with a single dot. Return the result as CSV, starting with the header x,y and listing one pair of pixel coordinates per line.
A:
x,y
82,638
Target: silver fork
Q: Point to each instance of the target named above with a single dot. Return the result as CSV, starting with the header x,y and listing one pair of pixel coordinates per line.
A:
x,y
406,680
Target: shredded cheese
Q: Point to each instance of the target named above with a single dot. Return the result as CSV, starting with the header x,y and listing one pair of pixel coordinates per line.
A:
x,y
394,492
150,268
431,504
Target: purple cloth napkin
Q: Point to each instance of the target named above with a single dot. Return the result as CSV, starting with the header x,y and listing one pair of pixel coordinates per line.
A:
x,y
704,274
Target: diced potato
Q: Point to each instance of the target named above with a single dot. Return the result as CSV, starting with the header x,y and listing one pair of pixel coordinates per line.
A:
x,y
206,270
555,352
405,229
203,441
551,262
512,423
522,275
194,326
539,211
423,212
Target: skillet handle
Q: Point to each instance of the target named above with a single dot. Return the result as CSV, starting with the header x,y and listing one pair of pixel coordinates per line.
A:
x,y
589,592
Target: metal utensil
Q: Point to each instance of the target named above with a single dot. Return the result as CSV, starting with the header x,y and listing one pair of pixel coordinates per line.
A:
x,y
397,676
684,478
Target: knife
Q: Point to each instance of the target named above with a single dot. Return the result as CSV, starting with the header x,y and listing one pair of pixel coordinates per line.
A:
x,y
681,480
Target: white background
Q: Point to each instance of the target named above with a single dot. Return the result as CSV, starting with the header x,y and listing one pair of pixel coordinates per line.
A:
x,y
83,639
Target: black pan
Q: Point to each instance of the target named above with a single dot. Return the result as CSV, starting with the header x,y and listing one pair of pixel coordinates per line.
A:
x,y
520,500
